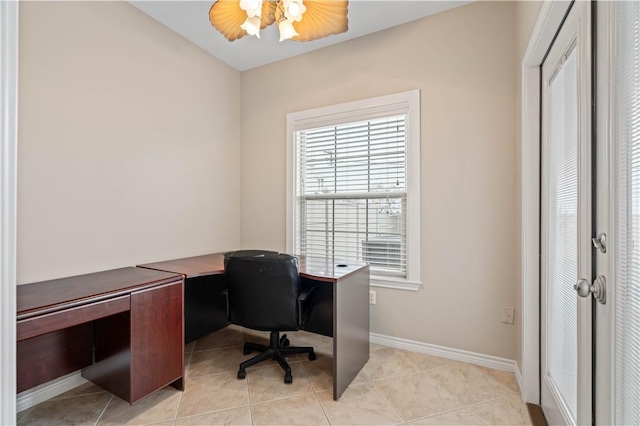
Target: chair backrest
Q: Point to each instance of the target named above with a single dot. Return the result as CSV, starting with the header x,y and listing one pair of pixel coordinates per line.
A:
x,y
263,290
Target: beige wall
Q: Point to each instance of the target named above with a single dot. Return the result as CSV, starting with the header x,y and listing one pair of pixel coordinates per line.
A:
x,y
129,151
128,142
526,16
463,63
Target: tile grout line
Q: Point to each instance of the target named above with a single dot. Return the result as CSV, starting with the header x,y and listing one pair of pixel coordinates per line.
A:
x,y
486,422
493,379
500,384
393,407
491,400
315,393
232,407
252,368
468,408
394,377
104,410
326,416
461,407
249,399
175,416
478,417
284,397
455,397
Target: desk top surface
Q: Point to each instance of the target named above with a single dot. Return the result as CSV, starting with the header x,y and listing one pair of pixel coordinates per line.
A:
x,y
317,268
52,295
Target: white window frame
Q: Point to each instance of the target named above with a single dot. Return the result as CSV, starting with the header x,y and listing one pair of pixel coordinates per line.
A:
x,y
356,111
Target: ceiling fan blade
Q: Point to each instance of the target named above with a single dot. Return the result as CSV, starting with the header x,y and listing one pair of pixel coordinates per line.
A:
x,y
322,19
227,16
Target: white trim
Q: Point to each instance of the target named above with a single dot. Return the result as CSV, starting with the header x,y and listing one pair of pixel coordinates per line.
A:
x,y
606,203
475,358
350,111
8,203
518,375
395,283
404,102
549,20
45,391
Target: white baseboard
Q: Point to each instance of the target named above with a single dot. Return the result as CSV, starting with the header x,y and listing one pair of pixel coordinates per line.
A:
x,y
475,358
41,393
31,397
519,380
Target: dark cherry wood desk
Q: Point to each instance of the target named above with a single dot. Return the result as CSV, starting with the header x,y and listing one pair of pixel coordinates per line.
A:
x,y
341,309
124,328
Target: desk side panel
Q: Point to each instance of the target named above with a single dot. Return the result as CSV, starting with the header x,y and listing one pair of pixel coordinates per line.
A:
x,y
157,339
350,329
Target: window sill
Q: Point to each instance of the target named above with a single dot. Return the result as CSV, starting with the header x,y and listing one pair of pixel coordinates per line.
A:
x,y
395,283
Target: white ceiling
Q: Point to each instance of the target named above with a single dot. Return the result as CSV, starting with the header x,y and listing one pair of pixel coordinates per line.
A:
x,y
191,20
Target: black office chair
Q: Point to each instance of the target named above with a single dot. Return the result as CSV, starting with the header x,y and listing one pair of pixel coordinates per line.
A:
x,y
264,293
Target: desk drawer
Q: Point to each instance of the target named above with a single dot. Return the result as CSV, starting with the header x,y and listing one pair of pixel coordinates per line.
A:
x,y
42,324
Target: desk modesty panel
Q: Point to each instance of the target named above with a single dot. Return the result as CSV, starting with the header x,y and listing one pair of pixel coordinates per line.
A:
x,y
124,328
341,305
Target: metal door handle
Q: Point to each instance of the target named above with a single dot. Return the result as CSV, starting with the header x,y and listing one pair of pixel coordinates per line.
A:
x,y
598,288
600,242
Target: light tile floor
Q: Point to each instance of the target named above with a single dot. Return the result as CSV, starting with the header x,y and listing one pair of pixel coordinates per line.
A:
x,y
395,387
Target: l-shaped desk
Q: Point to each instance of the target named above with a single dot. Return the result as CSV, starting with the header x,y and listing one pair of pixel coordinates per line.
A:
x,y
341,305
124,328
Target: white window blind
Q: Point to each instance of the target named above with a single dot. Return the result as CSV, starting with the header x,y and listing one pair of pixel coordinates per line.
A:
x,y
353,185
627,286
562,357
352,193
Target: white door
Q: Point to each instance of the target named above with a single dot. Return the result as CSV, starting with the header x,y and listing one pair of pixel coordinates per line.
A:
x,y
566,359
617,387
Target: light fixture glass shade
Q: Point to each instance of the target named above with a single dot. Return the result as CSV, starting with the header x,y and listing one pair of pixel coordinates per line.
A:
x,y
252,7
293,9
286,29
252,26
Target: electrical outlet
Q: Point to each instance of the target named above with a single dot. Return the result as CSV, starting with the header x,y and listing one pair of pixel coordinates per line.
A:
x,y
507,315
372,297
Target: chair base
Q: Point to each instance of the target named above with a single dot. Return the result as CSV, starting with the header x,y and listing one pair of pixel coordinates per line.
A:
x,y
277,350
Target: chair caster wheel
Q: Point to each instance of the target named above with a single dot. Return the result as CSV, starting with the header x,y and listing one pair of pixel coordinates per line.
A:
x,y
312,356
288,379
284,342
242,374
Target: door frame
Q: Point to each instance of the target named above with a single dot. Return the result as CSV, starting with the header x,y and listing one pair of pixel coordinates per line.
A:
x,y
549,21
8,206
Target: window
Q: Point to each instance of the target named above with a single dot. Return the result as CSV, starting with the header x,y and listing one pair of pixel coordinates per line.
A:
x,y
353,187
